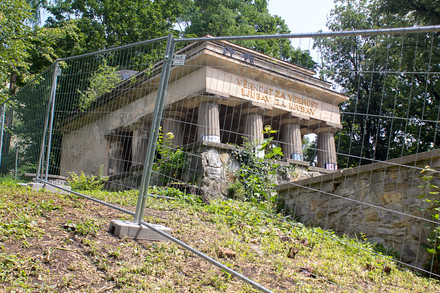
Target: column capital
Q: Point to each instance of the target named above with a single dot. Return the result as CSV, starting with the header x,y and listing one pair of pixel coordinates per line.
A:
x,y
174,114
325,128
254,110
290,120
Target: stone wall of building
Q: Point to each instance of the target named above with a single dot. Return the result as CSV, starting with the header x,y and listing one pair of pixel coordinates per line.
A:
x,y
380,201
212,168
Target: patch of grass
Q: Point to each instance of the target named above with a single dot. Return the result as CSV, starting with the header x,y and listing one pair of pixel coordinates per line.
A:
x,y
284,256
87,227
15,270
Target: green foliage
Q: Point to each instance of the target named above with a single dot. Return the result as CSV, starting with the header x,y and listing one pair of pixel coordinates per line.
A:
x,y
110,23
8,180
255,179
357,64
309,150
424,12
101,82
14,40
172,160
431,194
175,193
25,49
16,270
21,227
259,238
49,43
86,182
87,227
236,17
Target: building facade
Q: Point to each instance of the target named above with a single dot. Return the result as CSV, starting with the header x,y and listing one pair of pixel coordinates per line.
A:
x,y
224,94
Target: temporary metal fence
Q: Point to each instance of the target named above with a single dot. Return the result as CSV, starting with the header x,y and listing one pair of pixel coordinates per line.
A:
x,y
187,112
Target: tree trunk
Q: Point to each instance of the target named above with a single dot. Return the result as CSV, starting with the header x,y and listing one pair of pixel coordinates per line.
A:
x,y
9,116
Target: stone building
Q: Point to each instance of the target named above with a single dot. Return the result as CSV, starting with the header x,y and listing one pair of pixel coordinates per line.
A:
x,y
224,94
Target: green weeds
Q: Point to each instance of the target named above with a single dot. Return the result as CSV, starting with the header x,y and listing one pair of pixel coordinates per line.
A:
x,y
87,227
83,182
282,255
431,195
172,159
256,178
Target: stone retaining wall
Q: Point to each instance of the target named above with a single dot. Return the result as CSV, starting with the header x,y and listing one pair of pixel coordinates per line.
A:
x,y
380,201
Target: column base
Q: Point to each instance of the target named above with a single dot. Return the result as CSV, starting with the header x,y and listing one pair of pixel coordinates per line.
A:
x,y
331,166
259,153
210,138
298,157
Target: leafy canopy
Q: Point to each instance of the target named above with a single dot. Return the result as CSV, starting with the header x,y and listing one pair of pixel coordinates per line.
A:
x,y
389,108
14,38
239,17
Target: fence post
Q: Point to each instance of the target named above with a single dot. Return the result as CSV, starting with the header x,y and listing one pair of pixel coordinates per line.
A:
x,y
157,117
46,124
2,130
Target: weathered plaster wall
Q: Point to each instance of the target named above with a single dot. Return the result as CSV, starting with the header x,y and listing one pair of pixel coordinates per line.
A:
x,y
380,200
86,148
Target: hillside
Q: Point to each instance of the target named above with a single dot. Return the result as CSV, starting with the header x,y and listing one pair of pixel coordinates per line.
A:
x,y
51,242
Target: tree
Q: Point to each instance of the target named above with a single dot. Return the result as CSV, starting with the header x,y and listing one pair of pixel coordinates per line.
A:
x,y
14,40
109,23
105,24
241,17
388,108
424,12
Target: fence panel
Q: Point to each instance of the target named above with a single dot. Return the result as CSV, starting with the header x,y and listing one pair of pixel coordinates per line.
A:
x,y
101,115
23,122
342,144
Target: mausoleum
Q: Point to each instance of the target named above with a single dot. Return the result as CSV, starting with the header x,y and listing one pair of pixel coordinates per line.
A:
x,y
224,94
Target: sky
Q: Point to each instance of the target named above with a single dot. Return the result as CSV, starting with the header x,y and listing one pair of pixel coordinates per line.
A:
x,y
303,16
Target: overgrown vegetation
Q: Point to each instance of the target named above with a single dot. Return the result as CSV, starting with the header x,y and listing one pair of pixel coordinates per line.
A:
x,y
68,248
101,82
86,182
172,160
256,177
431,195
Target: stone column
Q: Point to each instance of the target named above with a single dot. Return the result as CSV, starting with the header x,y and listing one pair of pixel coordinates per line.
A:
x,y
253,129
140,142
172,123
208,122
291,137
327,148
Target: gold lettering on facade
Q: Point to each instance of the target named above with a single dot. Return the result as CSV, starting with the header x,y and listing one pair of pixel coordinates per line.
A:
x,y
279,98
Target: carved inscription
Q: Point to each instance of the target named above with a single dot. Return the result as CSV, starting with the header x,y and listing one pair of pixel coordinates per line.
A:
x,y
281,99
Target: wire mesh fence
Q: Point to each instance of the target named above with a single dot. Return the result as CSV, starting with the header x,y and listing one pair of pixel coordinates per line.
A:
x,y
24,117
343,144
97,129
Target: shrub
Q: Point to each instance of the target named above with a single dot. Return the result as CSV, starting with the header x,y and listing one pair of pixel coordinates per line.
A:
x,y
102,82
431,195
255,179
172,160
86,182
